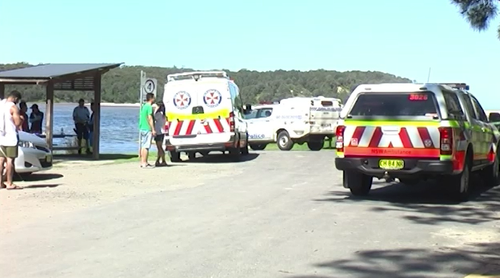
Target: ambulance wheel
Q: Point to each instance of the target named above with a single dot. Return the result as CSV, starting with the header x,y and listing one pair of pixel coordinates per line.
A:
x,y
175,156
359,184
244,150
460,184
491,174
285,143
315,145
192,155
235,153
258,147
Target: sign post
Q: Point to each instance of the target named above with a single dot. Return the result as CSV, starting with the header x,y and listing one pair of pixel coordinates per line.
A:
x,y
148,85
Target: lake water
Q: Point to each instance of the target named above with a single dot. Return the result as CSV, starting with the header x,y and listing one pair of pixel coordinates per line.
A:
x,y
119,126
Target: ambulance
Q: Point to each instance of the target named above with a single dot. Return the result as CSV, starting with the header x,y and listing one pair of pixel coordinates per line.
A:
x,y
296,120
204,113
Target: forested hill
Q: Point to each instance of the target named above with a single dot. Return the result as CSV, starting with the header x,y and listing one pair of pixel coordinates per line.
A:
x,y
121,85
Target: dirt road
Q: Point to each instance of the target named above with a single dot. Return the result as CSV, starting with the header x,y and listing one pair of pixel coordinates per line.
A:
x,y
280,214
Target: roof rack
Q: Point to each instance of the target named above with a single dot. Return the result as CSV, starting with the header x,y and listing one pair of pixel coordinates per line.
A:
x,y
196,75
458,86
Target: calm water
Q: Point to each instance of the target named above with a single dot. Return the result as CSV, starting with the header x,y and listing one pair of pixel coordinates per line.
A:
x,y
119,126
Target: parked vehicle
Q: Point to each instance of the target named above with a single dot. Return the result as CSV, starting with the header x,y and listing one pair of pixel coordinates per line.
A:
x,y
300,120
204,113
34,154
414,132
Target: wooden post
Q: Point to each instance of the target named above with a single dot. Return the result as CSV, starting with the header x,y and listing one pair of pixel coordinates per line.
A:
x,y
97,116
2,91
49,114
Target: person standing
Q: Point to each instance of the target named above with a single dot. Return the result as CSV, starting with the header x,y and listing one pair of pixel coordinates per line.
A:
x,y
10,122
147,129
36,119
160,120
81,115
23,107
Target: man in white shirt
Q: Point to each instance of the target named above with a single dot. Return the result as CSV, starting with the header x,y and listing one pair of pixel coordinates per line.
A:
x,y
10,122
81,116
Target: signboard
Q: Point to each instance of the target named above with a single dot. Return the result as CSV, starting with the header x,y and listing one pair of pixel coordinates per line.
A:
x,y
148,85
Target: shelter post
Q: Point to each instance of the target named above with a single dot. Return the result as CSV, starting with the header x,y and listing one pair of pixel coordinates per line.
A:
x,y
49,127
97,116
2,91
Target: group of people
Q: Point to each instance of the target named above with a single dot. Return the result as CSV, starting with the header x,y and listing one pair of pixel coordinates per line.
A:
x,y
33,123
152,127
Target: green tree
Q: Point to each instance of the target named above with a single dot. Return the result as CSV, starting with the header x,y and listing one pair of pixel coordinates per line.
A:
x,y
121,85
478,13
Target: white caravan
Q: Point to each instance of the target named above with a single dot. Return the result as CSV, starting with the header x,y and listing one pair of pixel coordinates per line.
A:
x,y
204,113
294,120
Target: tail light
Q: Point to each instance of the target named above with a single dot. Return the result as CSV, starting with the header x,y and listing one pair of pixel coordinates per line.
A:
x,y
446,137
339,133
231,121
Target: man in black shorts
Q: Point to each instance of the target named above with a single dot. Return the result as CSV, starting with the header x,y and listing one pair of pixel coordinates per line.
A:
x,y
81,116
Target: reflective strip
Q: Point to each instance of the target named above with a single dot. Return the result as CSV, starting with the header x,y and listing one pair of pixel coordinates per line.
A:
x,y
445,157
458,160
405,137
222,113
393,152
340,154
192,127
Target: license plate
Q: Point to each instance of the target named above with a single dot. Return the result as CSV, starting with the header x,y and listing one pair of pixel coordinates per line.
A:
x,y
326,125
391,164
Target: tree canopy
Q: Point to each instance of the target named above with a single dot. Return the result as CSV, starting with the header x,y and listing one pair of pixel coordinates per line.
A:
x,y
478,13
121,85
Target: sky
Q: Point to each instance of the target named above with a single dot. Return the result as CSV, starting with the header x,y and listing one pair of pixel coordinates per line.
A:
x,y
400,37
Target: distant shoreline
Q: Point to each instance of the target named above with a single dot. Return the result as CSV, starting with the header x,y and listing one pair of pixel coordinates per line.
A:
x,y
107,104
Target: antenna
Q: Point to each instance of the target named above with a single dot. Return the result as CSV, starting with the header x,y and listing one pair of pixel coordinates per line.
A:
x,y
429,75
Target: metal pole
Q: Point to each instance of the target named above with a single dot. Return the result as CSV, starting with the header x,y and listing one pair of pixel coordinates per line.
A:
x,y
143,75
429,75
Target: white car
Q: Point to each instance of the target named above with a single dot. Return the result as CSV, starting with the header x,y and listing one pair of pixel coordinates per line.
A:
x,y
34,154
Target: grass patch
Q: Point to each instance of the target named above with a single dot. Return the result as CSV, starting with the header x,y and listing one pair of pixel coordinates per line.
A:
x,y
303,147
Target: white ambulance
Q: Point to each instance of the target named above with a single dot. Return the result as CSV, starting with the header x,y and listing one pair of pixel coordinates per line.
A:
x,y
299,120
204,113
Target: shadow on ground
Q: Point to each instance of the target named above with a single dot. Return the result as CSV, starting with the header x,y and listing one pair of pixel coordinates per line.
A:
x,y
415,263
222,158
37,177
427,203
36,186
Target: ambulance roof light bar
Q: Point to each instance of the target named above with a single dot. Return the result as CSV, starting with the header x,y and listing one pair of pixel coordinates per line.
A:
x,y
196,75
458,86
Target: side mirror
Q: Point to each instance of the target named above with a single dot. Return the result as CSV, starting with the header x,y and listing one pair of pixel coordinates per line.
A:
x,y
494,117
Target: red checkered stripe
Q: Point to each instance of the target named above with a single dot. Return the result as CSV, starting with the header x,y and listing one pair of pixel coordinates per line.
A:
x,y
408,137
193,127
